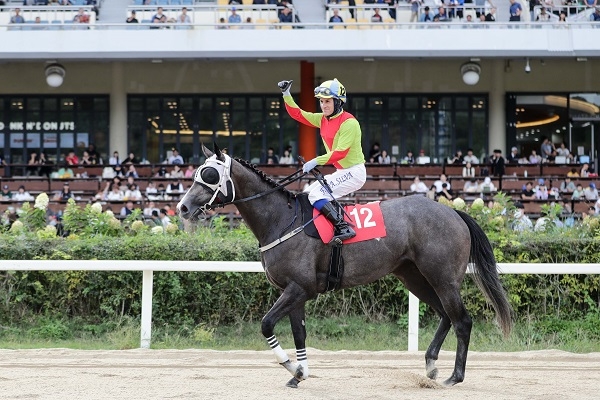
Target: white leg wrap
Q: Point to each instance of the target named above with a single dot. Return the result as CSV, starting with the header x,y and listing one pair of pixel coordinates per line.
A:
x,y
303,361
280,354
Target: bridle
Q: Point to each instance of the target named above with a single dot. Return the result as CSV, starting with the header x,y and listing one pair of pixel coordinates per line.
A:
x,y
223,188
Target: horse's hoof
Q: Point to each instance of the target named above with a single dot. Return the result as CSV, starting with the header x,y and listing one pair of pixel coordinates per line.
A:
x,y
432,374
451,381
293,383
299,375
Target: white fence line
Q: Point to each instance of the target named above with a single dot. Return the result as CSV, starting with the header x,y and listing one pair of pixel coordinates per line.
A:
x,y
148,268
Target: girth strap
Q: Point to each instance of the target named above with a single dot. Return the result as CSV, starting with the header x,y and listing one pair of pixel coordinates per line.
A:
x,y
336,268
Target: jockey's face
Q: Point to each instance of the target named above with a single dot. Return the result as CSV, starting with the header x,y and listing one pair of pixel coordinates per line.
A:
x,y
327,106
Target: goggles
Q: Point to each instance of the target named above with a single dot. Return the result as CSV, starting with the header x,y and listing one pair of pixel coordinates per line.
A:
x,y
324,91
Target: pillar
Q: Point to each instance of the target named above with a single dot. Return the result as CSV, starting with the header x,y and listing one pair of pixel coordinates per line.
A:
x,y
497,126
118,112
307,140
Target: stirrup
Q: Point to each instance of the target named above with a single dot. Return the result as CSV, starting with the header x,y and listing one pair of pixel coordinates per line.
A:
x,y
338,238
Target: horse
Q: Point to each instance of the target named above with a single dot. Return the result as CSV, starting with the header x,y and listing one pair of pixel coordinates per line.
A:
x,y
427,245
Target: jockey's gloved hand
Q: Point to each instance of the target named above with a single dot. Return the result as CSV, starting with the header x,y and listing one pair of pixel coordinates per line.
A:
x,y
285,87
309,165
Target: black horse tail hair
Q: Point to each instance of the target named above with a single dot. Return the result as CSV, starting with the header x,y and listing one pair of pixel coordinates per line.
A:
x,y
485,273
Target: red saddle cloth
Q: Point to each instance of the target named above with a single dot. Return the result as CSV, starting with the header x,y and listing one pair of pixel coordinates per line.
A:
x,y
366,219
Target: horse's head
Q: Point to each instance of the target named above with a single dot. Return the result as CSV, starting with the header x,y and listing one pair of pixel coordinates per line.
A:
x,y
212,185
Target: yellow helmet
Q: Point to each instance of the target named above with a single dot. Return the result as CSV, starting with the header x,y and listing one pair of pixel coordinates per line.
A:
x,y
331,89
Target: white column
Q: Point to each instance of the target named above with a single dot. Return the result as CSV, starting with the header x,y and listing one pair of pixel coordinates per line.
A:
x,y
413,322
118,112
497,131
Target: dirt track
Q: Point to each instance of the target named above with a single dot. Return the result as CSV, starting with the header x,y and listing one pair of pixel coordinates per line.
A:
x,y
205,374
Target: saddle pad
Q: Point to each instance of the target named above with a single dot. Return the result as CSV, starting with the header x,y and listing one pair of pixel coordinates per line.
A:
x,y
366,219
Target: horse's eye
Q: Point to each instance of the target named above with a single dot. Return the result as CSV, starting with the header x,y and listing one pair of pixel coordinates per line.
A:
x,y
210,175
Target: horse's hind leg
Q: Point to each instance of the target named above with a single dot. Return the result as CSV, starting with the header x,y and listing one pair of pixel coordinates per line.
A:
x,y
291,302
420,287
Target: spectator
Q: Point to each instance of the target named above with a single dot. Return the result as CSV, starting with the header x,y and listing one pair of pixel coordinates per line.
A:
x,y
528,193
585,171
132,19
149,209
131,159
470,157
471,186
513,156
17,18
578,193
497,162
417,186
445,192
248,24
46,166
119,172
72,158
22,195
522,221
164,218
534,158
222,24
189,172
426,16
457,158
175,158
176,172
113,192
567,186
423,159
491,16
234,18
152,191
115,160
6,194
132,193
127,209
384,158
439,183
564,151
33,164
65,194
184,18
542,191
591,193
81,17
547,150
562,17
595,17
487,186
336,18
175,189
543,16
441,15
409,158
515,10
131,172
162,172
155,218
271,157
287,157
573,173
86,160
376,17
286,16
374,153
468,170
159,17
414,10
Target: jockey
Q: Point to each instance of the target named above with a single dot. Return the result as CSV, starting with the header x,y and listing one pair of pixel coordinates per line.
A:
x,y
341,135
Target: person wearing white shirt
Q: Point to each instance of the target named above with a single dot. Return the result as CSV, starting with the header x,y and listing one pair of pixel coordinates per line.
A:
x,y
22,195
470,157
417,186
175,158
114,160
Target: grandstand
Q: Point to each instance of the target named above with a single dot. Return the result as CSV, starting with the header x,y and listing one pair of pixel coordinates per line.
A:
x,y
129,87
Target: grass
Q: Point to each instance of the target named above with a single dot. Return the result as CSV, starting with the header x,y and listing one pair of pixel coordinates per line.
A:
x,y
579,336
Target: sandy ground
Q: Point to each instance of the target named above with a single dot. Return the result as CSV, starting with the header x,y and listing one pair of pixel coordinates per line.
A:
x,y
206,374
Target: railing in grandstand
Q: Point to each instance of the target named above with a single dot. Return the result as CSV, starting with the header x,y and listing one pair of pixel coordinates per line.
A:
x,y
266,17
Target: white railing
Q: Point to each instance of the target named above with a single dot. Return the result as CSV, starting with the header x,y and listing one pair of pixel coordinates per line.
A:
x,y
148,268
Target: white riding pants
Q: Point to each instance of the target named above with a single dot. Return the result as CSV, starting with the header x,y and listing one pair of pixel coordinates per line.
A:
x,y
341,182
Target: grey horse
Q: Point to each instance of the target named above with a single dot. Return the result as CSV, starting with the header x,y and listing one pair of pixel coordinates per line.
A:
x,y
428,246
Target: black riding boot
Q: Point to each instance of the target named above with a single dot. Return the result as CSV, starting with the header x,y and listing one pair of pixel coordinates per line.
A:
x,y
342,229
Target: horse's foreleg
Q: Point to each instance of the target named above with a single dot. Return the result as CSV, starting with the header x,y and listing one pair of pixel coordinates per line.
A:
x,y
291,302
462,327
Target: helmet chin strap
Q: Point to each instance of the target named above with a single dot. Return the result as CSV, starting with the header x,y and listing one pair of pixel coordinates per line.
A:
x,y
338,107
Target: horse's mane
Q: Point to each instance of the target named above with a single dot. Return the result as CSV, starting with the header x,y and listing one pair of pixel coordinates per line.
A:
x,y
262,174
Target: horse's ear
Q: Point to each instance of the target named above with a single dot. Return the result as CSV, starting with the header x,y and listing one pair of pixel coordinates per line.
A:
x,y
217,151
206,151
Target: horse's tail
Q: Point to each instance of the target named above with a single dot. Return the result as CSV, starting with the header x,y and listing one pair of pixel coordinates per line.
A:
x,y
485,273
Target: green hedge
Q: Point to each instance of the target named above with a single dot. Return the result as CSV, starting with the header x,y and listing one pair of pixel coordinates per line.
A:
x,y
184,298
